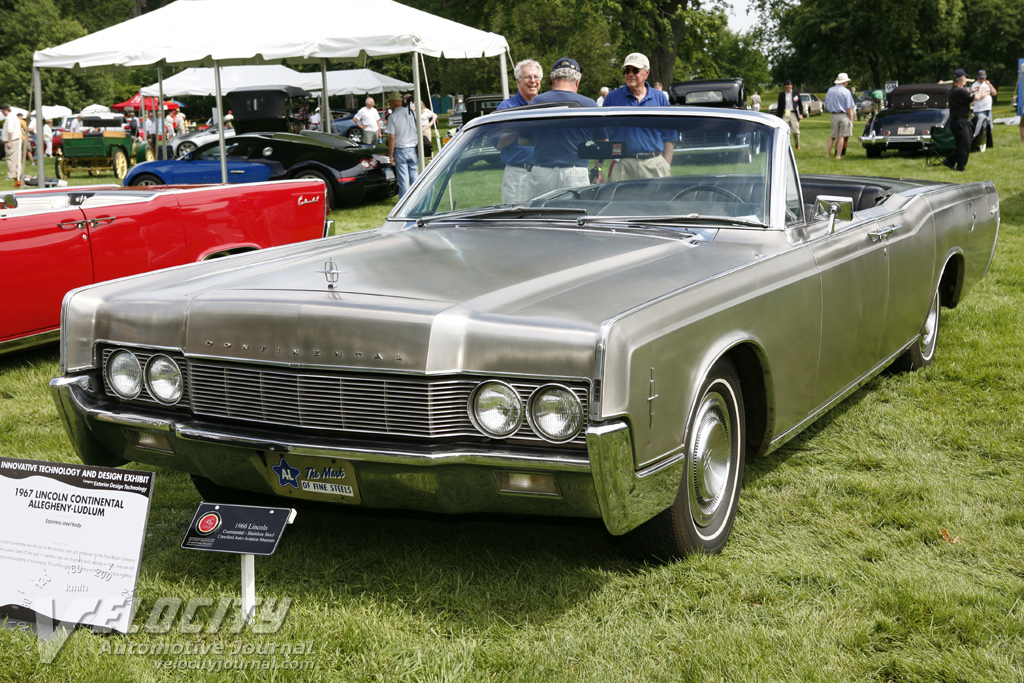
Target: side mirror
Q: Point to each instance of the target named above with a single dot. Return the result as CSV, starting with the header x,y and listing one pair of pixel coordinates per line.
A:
x,y
9,201
836,208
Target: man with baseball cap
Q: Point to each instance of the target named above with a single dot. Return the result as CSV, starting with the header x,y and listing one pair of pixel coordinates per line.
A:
x,y
839,102
960,101
556,163
12,137
649,151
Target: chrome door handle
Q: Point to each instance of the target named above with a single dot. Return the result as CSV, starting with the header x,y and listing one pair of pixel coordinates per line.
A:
x,y
237,172
93,222
879,233
71,225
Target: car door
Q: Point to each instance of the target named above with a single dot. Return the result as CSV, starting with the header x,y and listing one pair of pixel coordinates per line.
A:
x,y
133,233
854,270
45,253
204,165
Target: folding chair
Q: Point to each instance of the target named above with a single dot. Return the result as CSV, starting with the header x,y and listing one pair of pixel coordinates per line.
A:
x,y
941,145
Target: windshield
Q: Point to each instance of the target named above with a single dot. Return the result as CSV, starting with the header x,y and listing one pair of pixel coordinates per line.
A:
x,y
668,168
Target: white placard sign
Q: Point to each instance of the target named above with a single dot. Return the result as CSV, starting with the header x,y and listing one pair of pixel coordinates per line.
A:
x,y
70,542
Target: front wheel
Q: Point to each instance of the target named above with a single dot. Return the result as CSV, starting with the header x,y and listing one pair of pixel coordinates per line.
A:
x,y
120,163
62,167
185,148
701,517
145,180
922,352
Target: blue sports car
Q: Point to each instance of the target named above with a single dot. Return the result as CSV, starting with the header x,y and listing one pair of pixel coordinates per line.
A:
x,y
353,173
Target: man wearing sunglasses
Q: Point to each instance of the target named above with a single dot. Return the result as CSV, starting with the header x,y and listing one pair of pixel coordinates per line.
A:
x,y
649,151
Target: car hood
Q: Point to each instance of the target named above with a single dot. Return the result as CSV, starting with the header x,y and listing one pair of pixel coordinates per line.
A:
x,y
524,300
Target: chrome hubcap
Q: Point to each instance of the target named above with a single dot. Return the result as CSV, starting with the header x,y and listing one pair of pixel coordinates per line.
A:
x,y
929,333
710,461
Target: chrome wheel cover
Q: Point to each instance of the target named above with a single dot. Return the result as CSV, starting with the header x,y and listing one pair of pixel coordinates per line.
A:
x,y
930,331
710,460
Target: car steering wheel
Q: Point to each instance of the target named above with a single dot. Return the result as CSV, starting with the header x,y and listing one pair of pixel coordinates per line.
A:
x,y
710,189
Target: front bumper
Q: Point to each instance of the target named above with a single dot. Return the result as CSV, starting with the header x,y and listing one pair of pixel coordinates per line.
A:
x,y
449,478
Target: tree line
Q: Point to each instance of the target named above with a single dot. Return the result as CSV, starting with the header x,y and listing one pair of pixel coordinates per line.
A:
x,y
808,41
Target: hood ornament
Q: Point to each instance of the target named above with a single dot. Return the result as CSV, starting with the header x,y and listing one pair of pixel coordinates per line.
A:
x,y
330,272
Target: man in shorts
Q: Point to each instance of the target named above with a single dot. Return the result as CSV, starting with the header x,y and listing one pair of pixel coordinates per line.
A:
x,y
839,102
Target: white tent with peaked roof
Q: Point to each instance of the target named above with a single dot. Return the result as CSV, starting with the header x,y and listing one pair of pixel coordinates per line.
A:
x,y
262,33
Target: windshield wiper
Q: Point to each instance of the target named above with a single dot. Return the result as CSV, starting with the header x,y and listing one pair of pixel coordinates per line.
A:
x,y
516,210
683,219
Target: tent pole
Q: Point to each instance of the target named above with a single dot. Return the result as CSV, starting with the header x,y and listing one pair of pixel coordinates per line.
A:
x,y
220,124
37,86
325,105
416,101
504,77
161,129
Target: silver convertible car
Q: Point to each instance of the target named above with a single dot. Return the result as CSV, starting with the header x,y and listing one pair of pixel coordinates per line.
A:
x,y
532,336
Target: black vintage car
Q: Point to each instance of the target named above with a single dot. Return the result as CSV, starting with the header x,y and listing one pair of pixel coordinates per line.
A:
x,y
472,107
723,92
906,123
353,173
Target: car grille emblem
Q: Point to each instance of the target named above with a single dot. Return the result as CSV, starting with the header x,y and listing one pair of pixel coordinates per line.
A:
x,y
330,272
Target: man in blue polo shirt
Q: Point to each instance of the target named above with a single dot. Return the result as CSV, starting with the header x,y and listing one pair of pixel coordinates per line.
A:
x,y
556,163
515,184
649,150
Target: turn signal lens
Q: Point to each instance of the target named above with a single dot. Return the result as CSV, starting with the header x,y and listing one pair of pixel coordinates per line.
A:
x,y
496,410
124,374
555,413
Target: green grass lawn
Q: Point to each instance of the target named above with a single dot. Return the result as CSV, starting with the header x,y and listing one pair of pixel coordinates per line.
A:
x,y
885,543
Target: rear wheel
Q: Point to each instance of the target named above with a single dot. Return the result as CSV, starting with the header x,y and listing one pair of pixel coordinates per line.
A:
x,y
701,517
355,135
873,152
120,163
145,179
317,175
186,148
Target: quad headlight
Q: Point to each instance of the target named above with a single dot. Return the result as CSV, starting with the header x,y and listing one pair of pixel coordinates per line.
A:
x,y
163,379
496,409
124,374
555,413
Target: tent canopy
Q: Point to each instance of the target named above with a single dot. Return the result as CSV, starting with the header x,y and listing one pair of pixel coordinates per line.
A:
x,y
354,82
261,33
201,81
152,104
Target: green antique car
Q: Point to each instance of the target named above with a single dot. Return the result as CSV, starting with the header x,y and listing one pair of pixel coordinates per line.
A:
x,y
107,147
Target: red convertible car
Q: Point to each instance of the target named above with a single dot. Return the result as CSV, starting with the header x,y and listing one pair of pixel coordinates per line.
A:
x,y
57,239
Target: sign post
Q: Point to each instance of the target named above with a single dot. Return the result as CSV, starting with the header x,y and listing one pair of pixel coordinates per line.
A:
x,y
247,530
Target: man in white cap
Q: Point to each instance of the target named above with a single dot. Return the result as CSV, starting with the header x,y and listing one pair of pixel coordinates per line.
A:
x,y
839,102
649,151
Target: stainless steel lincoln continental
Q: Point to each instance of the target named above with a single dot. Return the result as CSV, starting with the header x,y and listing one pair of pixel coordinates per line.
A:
x,y
533,336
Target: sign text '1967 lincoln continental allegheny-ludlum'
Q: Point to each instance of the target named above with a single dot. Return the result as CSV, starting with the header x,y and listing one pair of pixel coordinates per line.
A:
x,y
586,312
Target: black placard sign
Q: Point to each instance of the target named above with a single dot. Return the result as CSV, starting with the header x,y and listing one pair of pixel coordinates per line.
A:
x,y
242,529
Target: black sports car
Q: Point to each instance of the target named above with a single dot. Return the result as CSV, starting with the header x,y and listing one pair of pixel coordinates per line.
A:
x,y
907,121
353,173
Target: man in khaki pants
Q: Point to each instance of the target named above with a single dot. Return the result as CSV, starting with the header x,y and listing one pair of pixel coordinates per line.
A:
x,y
790,108
12,137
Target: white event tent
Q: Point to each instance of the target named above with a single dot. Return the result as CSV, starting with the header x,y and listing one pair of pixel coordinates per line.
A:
x,y
203,81
263,33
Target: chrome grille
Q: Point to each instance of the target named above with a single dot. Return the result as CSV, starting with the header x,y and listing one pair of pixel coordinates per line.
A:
x,y
433,408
